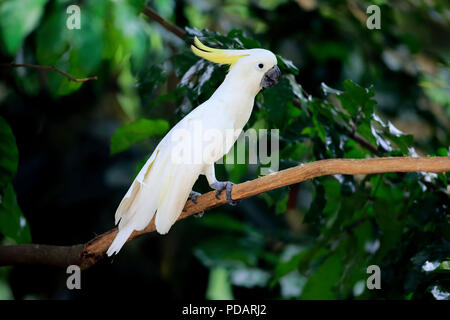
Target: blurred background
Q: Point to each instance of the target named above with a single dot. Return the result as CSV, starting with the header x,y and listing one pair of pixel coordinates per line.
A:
x,y
80,144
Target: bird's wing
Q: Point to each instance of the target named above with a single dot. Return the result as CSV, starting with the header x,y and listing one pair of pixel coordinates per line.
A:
x,y
163,184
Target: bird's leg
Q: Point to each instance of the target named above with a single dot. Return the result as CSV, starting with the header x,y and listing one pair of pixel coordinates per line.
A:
x,y
193,197
224,185
220,185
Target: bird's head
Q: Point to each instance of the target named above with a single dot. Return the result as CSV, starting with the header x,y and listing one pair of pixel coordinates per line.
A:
x,y
257,66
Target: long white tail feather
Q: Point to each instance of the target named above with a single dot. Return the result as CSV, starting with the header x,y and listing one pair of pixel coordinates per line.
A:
x,y
175,197
161,187
127,200
119,240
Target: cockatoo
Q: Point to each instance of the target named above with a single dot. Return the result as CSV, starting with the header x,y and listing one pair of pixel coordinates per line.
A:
x,y
165,183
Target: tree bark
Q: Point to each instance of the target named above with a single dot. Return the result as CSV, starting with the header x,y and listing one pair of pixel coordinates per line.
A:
x,y
86,255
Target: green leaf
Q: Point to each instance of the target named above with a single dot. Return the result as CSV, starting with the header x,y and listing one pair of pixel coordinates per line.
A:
x,y
285,267
128,34
387,218
244,41
321,132
436,86
321,285
226,223
17,20
287,65
356,98
219,286
278,198
323,51
445,265
77,52
328,90
443,152
235,39
149,79
5,290
354,150
228,252
366,131
165,7
12,221
9,155
51,38
281,204
276,99
332,195
137,131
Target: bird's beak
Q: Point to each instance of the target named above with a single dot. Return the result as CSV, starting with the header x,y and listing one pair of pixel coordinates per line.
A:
x,y
271,77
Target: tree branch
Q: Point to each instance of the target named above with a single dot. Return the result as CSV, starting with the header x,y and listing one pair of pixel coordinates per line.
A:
x,y
86,255
52,68
169,26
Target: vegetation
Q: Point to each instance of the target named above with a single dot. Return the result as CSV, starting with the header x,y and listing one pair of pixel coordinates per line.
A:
x,y
69,149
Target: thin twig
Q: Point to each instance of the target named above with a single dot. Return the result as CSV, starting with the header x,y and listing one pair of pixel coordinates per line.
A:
x,y
86,255
363,142
176,30
351,134
51,68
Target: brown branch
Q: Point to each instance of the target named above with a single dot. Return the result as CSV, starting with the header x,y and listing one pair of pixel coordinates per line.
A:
x,y
51,68
86,255
176,30
60,256
363,142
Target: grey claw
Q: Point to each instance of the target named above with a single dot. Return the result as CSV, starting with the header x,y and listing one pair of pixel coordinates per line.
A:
x,y
193,196
199,215
227,186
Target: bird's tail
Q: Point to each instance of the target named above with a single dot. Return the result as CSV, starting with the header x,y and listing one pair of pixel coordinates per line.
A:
x,y
161,187
120,240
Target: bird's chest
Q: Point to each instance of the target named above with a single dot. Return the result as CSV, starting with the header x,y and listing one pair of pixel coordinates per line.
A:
x,y
238,112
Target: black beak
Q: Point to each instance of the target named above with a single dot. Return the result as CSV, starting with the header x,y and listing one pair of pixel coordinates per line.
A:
x,y
271,77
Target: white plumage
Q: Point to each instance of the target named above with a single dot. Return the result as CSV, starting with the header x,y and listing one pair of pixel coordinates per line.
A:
x,y
163,185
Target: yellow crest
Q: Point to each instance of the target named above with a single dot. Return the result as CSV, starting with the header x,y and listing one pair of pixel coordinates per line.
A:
x,y
222,56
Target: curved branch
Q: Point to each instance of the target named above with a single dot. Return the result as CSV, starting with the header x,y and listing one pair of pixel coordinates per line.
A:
x,y
169,26
51,68
86,255
60,256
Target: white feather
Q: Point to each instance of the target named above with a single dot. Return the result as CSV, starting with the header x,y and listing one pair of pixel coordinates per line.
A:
x,y
163,186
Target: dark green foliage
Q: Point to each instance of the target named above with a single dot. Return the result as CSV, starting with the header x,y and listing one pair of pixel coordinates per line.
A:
x,y
137,131
345,92
358,222
9,152
12,222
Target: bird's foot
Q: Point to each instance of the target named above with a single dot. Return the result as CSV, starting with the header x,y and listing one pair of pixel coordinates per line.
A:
x,y
224,185
193,197
199,215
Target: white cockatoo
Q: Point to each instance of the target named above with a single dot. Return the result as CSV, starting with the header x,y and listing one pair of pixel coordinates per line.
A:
x,y
164,183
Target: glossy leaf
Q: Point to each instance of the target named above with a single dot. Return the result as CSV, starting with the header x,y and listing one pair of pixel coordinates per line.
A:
x,y
137,131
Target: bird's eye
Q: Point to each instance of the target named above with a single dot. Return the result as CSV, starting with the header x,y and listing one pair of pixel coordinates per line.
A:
x,y
260,65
